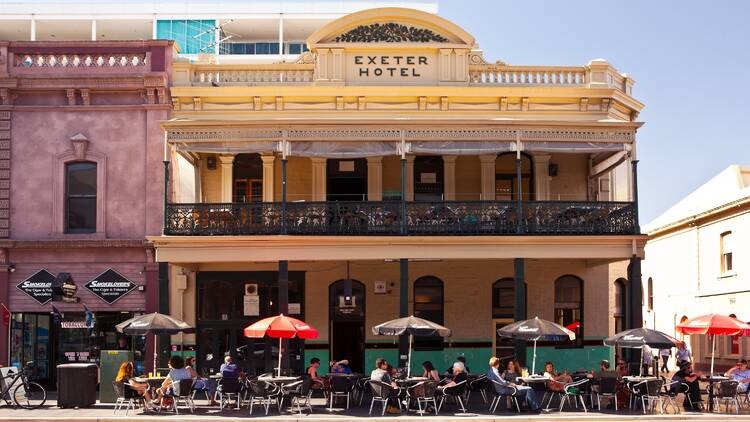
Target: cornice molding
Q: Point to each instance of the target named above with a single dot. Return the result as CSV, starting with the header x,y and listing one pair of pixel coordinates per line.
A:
x,y
74,243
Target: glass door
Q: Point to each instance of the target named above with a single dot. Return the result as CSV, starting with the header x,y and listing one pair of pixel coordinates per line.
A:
x,y
504,347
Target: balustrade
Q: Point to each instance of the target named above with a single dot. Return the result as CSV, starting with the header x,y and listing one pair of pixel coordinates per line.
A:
x,y
342,218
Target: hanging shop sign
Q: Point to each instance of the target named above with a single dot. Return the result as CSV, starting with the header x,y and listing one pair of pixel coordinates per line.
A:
x,y
110,286
38,286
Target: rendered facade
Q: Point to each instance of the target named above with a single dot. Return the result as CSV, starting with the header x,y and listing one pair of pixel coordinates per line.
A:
x,y
707,229
394,170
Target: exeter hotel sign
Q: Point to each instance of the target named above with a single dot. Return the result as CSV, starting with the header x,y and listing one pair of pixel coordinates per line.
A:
x,y
391,68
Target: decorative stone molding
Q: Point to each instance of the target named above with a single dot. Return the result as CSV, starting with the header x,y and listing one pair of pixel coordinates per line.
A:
x,y
80,144
374,133
86,96
390,32
5,164
79,151
5,96
584,104
71,95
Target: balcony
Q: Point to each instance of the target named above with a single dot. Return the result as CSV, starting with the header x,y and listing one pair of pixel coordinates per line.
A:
x,y
394,218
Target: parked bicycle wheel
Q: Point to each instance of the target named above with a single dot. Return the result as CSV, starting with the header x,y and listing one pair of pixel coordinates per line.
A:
x,y
30,396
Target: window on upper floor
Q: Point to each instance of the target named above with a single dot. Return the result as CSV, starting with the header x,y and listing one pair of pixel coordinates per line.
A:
x,y
650,294
80,197
726,252
619,311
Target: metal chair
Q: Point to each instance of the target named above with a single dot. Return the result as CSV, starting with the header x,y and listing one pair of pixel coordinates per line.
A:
x,y
299,394
359,390
339,387
512,393
456,391
383,392
200,386
575,390
478,385
649,393
726,392
424,394
669,393
260,393
181,391
126,396
608,389
227,389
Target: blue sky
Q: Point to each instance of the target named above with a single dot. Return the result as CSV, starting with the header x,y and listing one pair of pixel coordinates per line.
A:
x,y
690,60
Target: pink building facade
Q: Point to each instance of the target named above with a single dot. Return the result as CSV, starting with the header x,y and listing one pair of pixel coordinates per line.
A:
x,y
81,185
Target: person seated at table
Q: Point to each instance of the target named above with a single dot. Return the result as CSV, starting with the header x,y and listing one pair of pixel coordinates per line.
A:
x,y
229,369
341,367
319,383
459,375
381,374
512,371
459,359
429,371
176,373
558,380
603,372
741,374
622,368
692,380
125,376
503,386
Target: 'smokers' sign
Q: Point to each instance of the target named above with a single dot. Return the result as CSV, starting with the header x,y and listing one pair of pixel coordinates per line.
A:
x,y
38,286
110,286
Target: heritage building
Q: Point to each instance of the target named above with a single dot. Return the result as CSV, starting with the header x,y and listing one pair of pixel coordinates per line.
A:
x,y
81,175
393,170
696,264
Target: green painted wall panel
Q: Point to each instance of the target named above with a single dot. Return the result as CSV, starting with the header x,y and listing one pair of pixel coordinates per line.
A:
x,y
320,354
572,359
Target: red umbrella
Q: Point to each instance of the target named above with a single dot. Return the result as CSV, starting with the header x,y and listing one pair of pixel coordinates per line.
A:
x,y
280,327
716,325
574,326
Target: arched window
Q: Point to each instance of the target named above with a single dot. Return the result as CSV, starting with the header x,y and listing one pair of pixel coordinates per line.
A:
x,y
569,304
650,294
504,298
80,197
428,304
619,311
726,252
506,180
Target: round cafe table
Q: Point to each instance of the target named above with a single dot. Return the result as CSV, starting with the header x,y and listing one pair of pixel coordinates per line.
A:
x,y
404,384
711,381
153,382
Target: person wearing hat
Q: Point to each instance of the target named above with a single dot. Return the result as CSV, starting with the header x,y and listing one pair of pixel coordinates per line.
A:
x,y
686,376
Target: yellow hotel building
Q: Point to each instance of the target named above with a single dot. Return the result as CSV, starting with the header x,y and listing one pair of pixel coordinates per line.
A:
x,y
394,170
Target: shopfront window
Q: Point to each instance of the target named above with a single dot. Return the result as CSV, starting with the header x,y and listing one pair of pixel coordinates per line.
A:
x,y
619,311
569,304
428,304
30,342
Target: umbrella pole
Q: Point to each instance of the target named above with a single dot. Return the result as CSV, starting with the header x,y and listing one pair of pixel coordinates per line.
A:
x,y
156,353
408,361
533,361
713,349
640,371
279,371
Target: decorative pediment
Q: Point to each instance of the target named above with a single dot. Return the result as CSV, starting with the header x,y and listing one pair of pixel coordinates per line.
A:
x,y
391,25
391,32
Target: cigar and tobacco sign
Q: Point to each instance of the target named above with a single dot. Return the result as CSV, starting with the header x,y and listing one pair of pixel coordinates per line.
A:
x,y
110,286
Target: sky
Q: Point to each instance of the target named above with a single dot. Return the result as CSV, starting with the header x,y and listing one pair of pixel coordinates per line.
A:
x,y
690,60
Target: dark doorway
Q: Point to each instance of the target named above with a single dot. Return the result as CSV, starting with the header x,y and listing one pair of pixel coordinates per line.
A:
x,y
506,178
346,180
223,311
347,315
428,178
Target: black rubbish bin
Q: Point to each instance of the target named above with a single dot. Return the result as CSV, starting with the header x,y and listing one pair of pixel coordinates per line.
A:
x,y
76,384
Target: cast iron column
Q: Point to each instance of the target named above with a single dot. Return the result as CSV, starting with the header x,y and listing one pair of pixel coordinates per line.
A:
x,y
283,196
635,196
166,196
284,306
165,341
519,313
403,196
403,309
519,219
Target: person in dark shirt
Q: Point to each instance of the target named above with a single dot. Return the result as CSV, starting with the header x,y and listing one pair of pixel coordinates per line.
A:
x,y
687,376
459,359
229,369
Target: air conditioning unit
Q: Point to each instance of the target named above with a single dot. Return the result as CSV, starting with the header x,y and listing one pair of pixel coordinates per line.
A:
x,y
251,289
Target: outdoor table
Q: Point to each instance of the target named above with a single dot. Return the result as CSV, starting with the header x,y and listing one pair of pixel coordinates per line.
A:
x,y
711,381
405,383
153,382
533,379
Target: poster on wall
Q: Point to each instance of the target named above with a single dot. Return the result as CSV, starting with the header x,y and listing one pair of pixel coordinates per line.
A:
x,y
38,286
110,286
251,305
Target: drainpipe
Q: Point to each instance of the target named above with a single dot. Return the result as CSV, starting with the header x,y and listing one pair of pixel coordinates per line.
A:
x,y
637,227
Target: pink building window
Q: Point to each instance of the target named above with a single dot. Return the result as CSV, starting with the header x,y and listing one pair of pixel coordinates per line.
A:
x,y
80,197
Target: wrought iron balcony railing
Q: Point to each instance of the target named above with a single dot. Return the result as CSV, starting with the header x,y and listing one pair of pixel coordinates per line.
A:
x,y
371,218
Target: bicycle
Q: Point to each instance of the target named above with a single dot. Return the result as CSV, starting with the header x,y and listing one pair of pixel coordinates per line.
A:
x,y
26,394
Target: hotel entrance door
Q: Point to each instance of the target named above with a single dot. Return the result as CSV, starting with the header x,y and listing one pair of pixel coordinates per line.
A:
x,y
347,311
